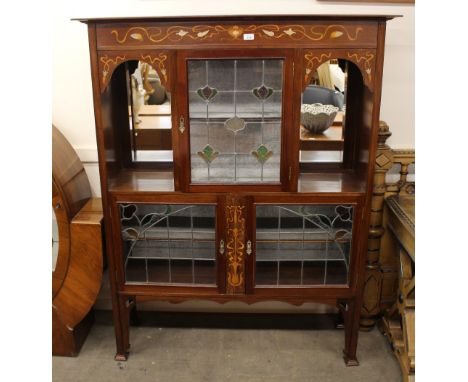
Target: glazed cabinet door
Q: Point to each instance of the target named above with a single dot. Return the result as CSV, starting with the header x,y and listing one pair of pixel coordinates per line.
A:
x,y
303,244
238,243
170,242
233,119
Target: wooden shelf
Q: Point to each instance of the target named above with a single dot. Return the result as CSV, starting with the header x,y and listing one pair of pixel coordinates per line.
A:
x,y
142,181
154,130
330,140
130,180
343,182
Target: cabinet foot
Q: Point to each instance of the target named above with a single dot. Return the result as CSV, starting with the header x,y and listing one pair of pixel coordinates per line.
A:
x,y
121,357
350,361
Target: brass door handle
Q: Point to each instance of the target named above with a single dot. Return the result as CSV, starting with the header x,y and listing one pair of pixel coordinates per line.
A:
x,y
181,124
249,248
221,247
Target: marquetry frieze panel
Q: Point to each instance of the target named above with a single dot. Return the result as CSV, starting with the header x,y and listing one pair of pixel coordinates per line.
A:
x,y
364,59
317,33
159,60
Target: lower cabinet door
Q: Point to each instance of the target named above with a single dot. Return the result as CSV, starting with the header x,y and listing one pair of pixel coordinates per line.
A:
x,y
237,243
169,243
302,244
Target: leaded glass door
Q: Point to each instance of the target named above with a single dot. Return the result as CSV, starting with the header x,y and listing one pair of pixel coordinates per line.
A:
x,y
303,244
235,116
169,243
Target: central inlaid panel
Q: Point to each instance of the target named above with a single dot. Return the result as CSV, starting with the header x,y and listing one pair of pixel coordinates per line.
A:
x,y
235,109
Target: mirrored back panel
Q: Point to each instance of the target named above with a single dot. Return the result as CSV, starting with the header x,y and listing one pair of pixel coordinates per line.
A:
x,y
323,118
235,109
149,111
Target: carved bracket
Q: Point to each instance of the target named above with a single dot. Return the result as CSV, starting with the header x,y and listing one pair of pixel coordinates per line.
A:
x,y
363,58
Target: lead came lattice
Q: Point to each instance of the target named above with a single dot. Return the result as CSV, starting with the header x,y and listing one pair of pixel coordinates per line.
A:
x,y
245,97
303,244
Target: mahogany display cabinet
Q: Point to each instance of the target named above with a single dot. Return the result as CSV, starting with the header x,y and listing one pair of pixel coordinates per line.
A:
x,y
246,205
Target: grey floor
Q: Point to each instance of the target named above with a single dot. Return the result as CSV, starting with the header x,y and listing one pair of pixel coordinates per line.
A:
x,y
183,354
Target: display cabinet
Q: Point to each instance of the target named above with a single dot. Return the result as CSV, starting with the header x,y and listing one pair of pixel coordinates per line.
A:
x,y
212,188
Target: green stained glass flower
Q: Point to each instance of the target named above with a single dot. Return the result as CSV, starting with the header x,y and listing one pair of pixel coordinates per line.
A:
x,y
207,93
262,153
262,92
208,154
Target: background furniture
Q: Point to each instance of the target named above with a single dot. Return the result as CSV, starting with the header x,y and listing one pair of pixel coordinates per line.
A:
x,y
389,291
398,321
381,280
76,278
234,217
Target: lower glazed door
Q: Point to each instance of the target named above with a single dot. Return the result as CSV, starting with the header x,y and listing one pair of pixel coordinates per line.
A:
x,y
303,244
172,243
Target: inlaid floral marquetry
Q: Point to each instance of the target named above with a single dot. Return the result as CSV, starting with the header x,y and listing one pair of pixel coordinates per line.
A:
x,y
313,61
312,33
235,246
108,66
108,63
341,33
364,59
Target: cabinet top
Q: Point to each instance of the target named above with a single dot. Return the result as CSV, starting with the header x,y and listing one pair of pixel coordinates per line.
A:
x,y
295,17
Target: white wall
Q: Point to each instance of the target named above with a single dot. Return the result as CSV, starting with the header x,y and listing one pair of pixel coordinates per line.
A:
x,y
72,106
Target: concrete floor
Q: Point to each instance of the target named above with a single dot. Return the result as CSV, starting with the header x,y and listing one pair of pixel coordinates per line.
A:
x,y
186,354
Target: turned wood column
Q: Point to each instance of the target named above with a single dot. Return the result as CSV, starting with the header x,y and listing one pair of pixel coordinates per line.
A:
x,y
373,279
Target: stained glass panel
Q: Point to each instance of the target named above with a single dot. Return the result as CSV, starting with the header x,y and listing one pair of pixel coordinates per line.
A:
x,y
235,109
